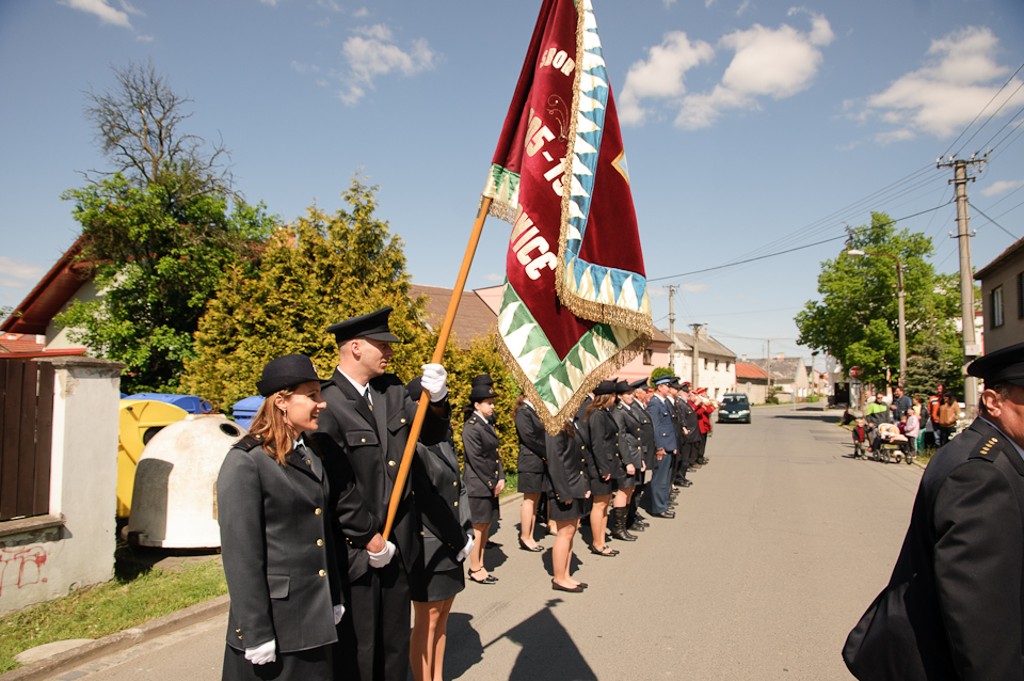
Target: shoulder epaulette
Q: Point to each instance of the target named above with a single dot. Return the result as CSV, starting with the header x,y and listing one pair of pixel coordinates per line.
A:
x,y
988,445
249,442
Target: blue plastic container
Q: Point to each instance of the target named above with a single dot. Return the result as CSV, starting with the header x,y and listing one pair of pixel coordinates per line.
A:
x,y
244,410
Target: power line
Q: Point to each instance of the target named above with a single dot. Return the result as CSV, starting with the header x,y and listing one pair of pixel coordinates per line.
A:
x,y
746,261
964,132
1008,233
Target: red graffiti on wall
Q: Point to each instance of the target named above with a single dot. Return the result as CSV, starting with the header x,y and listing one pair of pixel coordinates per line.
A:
x,y
27,560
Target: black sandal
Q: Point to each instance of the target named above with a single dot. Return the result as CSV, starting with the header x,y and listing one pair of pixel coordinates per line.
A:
x,y
489,579
606,551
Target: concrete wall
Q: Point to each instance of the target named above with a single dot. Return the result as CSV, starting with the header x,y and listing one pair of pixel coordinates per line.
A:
x,y
46,557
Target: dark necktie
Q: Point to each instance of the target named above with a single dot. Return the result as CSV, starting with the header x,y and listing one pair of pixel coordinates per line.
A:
x,y
366,396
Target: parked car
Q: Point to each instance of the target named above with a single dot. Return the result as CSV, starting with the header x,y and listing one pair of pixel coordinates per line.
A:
x,y
734,408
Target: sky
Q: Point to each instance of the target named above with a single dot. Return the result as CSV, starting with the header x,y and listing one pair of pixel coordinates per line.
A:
x,y
756,131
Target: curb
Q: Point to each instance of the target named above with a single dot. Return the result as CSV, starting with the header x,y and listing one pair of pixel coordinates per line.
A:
x,y
121,640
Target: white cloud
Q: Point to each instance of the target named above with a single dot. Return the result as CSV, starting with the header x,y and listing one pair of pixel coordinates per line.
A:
x,y
373,53
1002,187
661,76
767,62
958,80
104,12
694,288
14,274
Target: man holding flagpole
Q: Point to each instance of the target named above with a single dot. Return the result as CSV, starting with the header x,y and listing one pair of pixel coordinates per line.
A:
x,y
369,415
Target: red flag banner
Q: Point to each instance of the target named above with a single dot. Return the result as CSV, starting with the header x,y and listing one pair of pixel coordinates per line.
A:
x,y
575,304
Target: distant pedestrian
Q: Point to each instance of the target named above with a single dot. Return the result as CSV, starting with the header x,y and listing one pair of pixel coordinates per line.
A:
x,y
946,419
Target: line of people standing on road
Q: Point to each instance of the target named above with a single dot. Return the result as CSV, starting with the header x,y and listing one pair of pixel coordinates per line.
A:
x,y
628,448
319,593
905,422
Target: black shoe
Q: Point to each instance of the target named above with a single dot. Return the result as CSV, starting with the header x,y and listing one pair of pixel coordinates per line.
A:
x,y
667,514
607,551
489,579
687,483
526,547
703,461
569,589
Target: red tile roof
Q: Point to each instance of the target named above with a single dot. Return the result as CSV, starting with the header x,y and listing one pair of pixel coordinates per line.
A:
x,y
750,372
473,320
52,292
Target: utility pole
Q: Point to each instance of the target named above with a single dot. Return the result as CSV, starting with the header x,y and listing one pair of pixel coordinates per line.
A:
x,y
695,372
970,345
672,327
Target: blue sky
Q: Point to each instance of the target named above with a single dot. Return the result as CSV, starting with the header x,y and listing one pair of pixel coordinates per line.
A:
x,y
751,127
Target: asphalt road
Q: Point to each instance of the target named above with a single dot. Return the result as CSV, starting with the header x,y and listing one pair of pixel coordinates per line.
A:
x,y
777,549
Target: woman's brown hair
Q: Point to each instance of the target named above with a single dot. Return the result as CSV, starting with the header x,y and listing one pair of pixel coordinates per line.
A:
x,y
600,402
269,426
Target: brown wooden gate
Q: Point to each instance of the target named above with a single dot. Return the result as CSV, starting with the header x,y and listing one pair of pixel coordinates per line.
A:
x,y
26,429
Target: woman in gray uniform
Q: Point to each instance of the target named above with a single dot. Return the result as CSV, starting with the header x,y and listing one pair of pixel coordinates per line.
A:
x,y
483,474
276,548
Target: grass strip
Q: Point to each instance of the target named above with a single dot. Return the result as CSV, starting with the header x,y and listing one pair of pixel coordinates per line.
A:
x,y
109,608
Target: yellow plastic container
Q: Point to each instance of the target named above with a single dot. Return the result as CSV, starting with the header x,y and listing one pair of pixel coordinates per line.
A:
x,y
140,420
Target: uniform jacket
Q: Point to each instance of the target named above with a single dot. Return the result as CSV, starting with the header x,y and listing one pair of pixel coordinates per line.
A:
x,y
646,435
604,442
688,419
704,411
530,431
953,607
566,464
483,467
663,417
441,500
630,447
373,443
276,548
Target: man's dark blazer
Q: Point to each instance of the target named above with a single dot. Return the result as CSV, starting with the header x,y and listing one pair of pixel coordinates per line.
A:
x,y
663,417
953,607
373,442
688,419
276,548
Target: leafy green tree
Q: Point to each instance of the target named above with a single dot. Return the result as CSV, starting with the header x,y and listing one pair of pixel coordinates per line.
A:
x,y
856,319
320,270
157,233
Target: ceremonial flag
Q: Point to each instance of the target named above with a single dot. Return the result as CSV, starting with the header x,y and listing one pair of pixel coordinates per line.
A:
x,y
575,305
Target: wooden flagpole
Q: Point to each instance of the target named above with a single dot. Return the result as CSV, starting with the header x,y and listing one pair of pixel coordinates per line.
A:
x,y
442,342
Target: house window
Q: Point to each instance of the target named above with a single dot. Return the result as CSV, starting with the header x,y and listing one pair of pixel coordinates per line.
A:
x,y
1020,295
997,307
716,365
648,357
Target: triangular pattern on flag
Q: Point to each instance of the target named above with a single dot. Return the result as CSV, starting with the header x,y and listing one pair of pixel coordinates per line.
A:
x,y
575,304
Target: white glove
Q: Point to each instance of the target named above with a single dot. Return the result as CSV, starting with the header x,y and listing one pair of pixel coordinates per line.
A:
x,y
262,654
435,381
465,549
379,560
339,612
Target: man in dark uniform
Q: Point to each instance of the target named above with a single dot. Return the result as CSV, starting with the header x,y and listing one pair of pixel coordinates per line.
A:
x,y
689,433
369,415
666,444
650,458
954,607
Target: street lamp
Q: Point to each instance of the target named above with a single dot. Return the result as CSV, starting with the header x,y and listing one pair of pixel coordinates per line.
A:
x,y
900,294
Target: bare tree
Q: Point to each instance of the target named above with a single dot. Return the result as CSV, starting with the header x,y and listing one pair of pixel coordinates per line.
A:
x,y
138,128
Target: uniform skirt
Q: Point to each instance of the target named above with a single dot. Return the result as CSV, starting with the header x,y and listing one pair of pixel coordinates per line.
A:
x,y
483,510
625,481
572,509
439,586
599,487
315,664
533,483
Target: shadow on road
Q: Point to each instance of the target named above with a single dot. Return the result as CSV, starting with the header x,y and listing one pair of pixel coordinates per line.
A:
x,y
537,636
